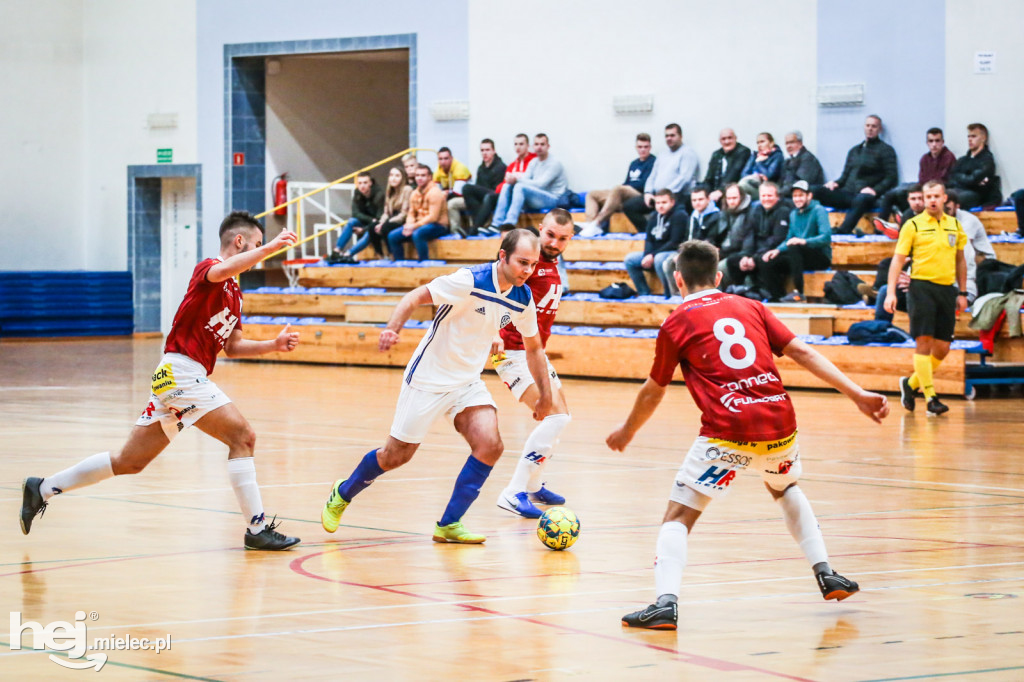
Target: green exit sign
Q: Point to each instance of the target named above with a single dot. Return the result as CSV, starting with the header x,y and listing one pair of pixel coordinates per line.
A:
x,y
164,155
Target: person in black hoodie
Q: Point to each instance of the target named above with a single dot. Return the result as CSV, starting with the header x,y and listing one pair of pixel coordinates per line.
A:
x,y
870,171
732,227
367,205
974,174
666,230
764,229
481,197
726,164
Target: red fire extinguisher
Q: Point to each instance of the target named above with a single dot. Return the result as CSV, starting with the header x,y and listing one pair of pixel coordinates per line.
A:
x,y
280,190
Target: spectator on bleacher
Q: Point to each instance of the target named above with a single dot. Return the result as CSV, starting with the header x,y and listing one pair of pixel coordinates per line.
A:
x,y
934,165
451,176
427,219
395,207
800,165
764,229
808,246
540,188
765,165
938,290
482,196
675,169
974,174
703,225
515,170
732,227
977,248
410,163
914,195
726,164
666,230
1018,206
602,203
367,205
869,172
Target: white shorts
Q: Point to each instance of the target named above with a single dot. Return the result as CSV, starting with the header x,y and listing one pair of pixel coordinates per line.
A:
x,y
180,395
417,410
514,371
712,464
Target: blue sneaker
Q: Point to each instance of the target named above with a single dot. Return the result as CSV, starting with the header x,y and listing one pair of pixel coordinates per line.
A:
x,y
545,496
518,503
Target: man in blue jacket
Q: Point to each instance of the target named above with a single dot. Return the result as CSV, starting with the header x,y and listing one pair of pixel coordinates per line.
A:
x,y
808,246
602,203
666,230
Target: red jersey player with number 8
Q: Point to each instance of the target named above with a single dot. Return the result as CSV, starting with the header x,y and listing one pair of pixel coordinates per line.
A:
x,y
724,345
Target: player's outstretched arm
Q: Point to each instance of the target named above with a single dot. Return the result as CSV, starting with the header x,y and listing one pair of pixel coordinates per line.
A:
x,y
537,363
238,347
647,402
241,262
873,405
403,311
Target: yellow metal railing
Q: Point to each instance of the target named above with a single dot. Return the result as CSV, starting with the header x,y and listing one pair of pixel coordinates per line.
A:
x,y
328,186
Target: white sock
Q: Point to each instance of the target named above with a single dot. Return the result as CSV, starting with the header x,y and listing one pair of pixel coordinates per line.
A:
x,y
802,525
242,472
536,453
90,470
671,558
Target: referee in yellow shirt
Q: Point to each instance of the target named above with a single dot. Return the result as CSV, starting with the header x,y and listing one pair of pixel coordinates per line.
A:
x,y
938,290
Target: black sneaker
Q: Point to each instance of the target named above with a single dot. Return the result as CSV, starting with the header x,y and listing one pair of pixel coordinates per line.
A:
x,y
32,504
835,586
269,539
936,408
907,397
653,617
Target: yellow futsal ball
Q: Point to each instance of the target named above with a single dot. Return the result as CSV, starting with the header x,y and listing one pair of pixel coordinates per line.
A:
x,y
558,528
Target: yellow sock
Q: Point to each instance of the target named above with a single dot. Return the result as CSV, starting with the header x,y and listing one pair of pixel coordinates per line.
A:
x,y
923,371
914,382
935,363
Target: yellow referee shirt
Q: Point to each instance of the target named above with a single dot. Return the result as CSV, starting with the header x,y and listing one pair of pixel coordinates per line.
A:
x,y
933,245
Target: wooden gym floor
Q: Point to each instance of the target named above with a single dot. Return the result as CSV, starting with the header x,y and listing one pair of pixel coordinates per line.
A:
x,y
925,513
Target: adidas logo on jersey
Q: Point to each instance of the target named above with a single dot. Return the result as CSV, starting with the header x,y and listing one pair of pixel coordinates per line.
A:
x,y
481,310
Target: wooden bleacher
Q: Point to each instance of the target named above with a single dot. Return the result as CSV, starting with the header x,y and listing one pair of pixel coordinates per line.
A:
x,y
351,301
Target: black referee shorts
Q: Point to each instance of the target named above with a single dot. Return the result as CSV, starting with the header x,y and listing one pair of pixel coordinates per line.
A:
x,y
932,309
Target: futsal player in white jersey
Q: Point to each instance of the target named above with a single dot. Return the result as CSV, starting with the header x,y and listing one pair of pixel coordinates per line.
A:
x,y
443,377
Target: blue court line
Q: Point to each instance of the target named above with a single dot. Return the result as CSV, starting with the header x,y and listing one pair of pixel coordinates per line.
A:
x,y
934,675
127,665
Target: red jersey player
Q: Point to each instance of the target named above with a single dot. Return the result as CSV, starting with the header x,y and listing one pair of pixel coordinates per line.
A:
x,y
509,358
207,321
724,345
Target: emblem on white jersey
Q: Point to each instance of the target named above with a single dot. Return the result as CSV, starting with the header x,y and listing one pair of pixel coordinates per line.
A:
x,y
506,320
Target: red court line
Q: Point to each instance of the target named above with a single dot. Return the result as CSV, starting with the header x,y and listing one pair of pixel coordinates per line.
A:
x,y
297,565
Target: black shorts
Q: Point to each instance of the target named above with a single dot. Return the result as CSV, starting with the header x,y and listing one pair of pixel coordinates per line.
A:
x,y
932,309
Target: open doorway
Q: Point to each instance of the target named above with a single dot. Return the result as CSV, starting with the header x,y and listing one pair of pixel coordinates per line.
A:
x,y
164,239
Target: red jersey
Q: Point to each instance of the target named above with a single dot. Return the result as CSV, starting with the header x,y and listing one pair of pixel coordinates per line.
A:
x,y
206,317
517,166
724,345
546,286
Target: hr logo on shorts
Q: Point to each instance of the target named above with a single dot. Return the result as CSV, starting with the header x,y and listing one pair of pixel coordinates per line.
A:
x,y
716,478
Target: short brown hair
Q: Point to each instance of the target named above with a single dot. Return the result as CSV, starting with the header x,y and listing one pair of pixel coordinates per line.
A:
x,y
510,242
933,183
643,137
979,126
697,263
560,216
665,192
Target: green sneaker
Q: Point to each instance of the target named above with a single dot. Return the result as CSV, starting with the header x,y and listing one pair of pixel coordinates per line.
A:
x,y
456,532
330,517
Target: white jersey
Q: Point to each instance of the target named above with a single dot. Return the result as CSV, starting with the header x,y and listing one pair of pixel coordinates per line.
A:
x,y
470,312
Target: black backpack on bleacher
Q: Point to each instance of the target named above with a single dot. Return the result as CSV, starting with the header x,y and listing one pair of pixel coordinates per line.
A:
x,y
842,290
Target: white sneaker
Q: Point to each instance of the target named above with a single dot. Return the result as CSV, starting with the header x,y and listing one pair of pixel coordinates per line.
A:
x,y
591,230
518,503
